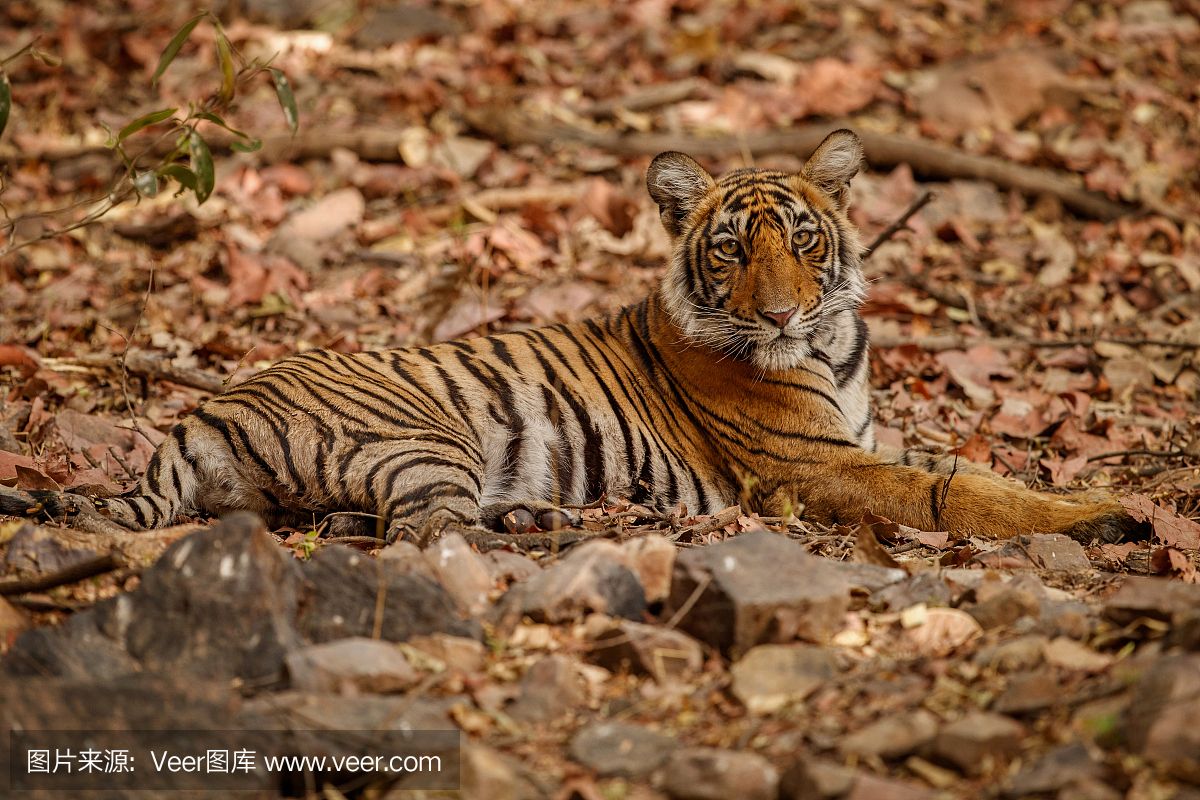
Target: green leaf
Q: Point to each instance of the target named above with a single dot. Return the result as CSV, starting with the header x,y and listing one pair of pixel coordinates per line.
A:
x,y
217,120
5,100
144,122
146,183
173,47
287,100
184,176
202,165
228,72
252,146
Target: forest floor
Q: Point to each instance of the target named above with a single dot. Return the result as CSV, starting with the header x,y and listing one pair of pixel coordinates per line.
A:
x,y
468,168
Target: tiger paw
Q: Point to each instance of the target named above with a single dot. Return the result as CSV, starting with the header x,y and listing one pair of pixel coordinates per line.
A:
x,y
1110,527
530,517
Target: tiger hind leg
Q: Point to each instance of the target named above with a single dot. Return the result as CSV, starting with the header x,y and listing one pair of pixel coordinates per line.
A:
x,y
423,489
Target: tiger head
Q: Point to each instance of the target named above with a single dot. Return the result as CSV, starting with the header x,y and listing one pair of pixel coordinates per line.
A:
x,y
765,262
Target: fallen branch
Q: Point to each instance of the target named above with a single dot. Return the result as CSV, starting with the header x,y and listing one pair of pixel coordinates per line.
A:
x,y
72,574
901,223
952,341
145,365
883,150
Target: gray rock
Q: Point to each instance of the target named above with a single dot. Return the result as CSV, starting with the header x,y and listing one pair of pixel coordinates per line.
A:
x,y
706,773
490,775
924,587
757,588
1028,692
1061,767
654,650
387,25
816,779
873,787
356,664
652,559
621,750
461,572
770,676
1156,598
1160,721
342,599
506,567
552,688
1013,655
590,578
975,741
454,653
1000,603
893,736
85,647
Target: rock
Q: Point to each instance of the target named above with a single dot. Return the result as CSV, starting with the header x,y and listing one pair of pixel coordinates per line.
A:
x,y
1013,655
325,218
1156,598
1000,603
388,25
88,646
937,632
1070,654
12,623
461,572
490,775
1160,721
291,710
1049,551
505,567
652,559
815,779
771,676
757,588
973,742
621,750
343,599
452,652
924,587
37,550
354,664
405,557
654,650
706,773
1028,692
552,688
590,578
1061,767
892,737
873,787
1090,789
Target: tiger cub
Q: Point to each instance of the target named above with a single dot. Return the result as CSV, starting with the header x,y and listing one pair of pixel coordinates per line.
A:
x,y
745,378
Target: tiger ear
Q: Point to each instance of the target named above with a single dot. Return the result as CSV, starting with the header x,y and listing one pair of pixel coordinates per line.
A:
x,y
835,161
677,183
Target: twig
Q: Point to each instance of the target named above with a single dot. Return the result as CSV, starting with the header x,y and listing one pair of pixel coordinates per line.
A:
x,y
72,574
653,96
901,223
950,341
926,158
146,365
1140,452
112,451
124,355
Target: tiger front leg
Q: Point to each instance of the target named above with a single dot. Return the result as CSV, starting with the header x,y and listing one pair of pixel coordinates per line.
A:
x,y
842,488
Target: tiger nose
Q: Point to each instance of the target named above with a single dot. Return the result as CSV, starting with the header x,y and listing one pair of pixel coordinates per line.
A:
x,y
780,318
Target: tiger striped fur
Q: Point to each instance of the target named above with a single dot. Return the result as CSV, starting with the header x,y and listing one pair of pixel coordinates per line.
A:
x,y
747,372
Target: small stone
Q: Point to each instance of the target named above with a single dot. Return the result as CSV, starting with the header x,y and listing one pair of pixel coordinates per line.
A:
x,y
654,650
770,676
1049,551
621,750
590,578
1003,603
892,737
1156,598
974,742
1029,692
1070,654
354,664
757,588
1013,655
924,587
552,688
454,652
489,775
389,25
1057,769
815,779
461,572
505,567
873,787
1160,721
705,773
652,558
1092,789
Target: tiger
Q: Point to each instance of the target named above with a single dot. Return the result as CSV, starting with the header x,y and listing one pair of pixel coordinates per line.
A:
x,y
744,379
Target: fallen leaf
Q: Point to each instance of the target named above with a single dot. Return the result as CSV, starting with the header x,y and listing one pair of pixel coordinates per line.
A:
x,y
944,630
1169,527
1174,564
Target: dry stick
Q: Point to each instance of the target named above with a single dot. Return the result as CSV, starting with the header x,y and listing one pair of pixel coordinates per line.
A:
x,y
882,150
1140,452
901,223
949,341
72,574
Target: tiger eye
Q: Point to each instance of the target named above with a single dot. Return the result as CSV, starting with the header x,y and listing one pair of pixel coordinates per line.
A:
x,y
729,247
803,239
